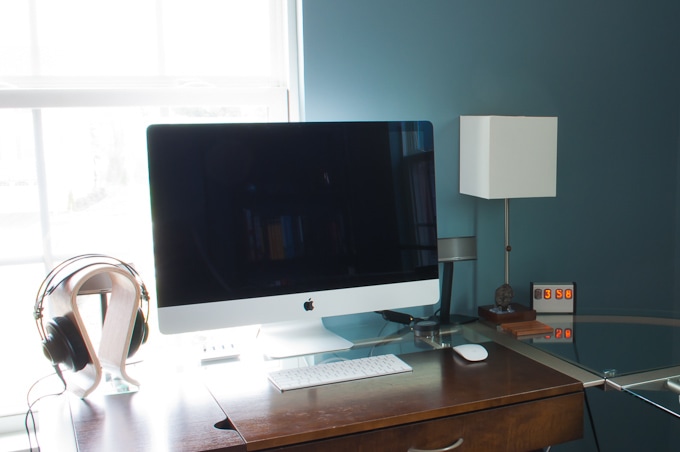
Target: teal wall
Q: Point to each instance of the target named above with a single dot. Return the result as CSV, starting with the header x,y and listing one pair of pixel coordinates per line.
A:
x,y
608,69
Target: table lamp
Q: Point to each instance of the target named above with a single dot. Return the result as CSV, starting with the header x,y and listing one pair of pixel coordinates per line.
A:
x,y
453,249
504,157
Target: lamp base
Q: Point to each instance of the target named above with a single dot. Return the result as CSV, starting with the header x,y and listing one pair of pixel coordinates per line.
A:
x,y
519,313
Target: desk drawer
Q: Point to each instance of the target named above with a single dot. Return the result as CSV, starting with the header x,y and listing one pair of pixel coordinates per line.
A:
x,y
521,427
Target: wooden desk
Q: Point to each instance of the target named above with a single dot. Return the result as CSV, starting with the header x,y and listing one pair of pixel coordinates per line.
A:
x,y
507,402
169,415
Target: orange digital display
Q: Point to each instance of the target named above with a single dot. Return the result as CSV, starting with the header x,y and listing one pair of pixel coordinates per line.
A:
x,y
564,333
553,297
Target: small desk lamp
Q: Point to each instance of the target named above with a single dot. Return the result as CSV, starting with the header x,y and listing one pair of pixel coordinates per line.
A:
x,y
503,157
451,250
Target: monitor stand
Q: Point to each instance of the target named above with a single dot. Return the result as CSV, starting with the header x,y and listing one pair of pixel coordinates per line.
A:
x,y
296,338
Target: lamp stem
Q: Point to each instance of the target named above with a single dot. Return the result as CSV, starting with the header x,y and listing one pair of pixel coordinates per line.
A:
x,y
508,248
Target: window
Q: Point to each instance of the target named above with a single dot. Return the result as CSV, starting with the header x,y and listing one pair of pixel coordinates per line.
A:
x,y
79,83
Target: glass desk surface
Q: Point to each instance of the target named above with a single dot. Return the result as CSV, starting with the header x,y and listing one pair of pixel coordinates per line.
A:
x,y
389,338
612,346
662,398
638,355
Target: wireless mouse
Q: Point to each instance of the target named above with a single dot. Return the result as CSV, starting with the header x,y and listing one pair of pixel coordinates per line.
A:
x,y
471,352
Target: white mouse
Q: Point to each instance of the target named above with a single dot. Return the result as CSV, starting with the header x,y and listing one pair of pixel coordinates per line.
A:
x,y
471,352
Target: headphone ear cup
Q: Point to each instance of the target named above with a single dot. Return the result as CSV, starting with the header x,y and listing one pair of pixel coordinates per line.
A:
x,y
64,344
139,333
145,328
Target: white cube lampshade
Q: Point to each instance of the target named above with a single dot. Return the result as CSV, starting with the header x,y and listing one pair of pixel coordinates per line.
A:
x,y
508,156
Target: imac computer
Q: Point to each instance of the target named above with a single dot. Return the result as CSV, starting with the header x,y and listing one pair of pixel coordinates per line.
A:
x,y
283,224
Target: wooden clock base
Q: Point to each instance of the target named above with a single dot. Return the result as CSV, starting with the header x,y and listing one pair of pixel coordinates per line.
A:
x,y
519,313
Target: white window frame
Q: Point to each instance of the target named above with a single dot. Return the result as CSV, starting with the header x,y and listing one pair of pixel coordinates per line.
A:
x,y
38,93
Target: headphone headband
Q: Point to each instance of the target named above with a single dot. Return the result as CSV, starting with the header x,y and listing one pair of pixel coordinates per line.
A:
x,y
48,285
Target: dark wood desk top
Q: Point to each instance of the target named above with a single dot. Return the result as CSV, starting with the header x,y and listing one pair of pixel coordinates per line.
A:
x,y
181,414
441,384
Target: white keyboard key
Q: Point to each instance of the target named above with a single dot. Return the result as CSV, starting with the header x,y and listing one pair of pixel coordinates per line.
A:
x,y
338,371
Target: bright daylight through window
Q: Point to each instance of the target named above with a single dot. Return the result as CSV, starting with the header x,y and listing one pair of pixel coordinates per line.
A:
x,y
79,83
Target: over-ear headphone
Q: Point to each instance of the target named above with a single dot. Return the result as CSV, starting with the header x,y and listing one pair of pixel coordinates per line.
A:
x,y
62,340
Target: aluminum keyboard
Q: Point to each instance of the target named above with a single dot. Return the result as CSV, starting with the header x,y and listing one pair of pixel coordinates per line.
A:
x,y
338,371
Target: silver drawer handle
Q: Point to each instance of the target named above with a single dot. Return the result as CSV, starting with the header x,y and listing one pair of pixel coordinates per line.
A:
x,y
444,449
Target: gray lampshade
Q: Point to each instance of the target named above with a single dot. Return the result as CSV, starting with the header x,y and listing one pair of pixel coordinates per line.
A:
x,y
457,249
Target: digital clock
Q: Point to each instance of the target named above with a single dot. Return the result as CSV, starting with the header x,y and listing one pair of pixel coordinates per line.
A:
x,y
553,298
